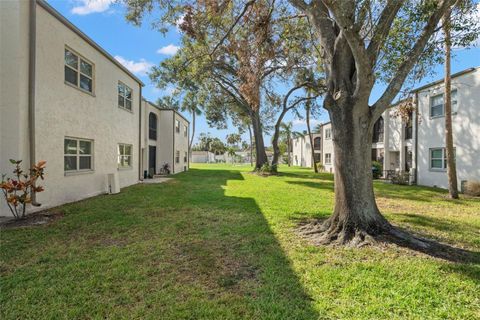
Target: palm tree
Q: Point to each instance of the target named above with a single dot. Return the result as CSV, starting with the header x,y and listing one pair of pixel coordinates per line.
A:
x,y
231,153
317,128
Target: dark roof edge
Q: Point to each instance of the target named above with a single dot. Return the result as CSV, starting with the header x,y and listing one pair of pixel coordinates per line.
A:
x,y
82,35
166,109
455,75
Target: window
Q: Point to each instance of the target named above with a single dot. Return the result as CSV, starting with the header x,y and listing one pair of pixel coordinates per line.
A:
x,y
409,127
185,157
124,96
78,155
124,155
316,143
177,156
78,71
437,107
328,133
378,129
152,126
328,158
177,126
185,131
438,158
317,157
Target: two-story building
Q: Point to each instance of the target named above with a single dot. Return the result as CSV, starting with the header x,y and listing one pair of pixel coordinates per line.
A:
x,y
67,101
164,140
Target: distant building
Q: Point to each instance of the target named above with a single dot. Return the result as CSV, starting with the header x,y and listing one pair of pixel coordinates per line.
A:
x,y
203,157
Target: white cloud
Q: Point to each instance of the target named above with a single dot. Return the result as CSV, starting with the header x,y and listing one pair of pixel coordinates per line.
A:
x,y
138,67
84,7
169,50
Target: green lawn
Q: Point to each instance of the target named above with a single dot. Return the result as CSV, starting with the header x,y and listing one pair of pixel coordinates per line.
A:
x,y
219,243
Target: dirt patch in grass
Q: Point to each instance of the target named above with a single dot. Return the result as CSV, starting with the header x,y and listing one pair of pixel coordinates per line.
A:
x,y
33,220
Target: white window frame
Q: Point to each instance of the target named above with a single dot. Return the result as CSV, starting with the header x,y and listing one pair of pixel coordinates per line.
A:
x,y
444,159
77,155
328,158
124,96
454,92
177,126
328,133
80,58
121,154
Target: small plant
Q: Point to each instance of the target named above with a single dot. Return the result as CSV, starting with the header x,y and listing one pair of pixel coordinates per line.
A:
x,y
320,167
18,191
377,169
402,178
165,168
472,188
267,170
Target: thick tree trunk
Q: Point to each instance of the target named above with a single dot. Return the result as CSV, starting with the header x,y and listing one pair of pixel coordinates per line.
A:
x,y
311,137
276,136
450,154
261,157
356,219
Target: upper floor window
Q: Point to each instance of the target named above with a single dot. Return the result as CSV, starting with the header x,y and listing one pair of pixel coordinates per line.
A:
x,y
185,156
328,133
152,126
185,130
124,155
316,143
378,129
177,126
409,126
437,104
124,96
78,155
78,71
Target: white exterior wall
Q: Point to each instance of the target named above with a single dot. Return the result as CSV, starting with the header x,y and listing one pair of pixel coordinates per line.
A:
x,y
466,131
300,151
327,147
65,111
202,157
14,46
168,141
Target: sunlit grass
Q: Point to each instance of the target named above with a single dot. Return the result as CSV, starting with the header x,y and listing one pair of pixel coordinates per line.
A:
x,y
218,243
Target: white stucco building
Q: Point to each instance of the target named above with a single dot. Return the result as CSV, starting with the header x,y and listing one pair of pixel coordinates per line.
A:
x,y
417,145
430,129
203,157
164,140
67,101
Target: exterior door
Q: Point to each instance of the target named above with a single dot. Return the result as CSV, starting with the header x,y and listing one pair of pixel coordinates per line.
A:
x,y
152,160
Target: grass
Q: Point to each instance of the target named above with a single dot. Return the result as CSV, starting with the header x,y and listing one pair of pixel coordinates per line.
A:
x,y
218,243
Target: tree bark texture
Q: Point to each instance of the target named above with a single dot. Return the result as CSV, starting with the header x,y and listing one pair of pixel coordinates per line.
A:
x,y
261,157
315,168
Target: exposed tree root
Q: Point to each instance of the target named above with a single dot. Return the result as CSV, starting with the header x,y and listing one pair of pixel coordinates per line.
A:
x,y
328,232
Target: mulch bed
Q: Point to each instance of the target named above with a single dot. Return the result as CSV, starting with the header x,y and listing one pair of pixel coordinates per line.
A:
x,y
32,220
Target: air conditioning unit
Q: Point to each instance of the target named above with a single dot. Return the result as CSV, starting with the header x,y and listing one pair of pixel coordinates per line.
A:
x,y
113,183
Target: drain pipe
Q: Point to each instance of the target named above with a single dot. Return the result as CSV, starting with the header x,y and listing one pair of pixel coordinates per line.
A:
x,y
32,29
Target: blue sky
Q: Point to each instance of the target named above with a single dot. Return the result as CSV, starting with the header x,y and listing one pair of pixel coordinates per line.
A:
x,y
139,48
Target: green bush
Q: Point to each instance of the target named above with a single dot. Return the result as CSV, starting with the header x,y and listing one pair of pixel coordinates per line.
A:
x,y
377,169
320,167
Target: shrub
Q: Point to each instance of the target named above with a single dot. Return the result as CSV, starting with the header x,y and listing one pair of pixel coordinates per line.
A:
x,y
267,170
320,167
472,188
401,178
18,191
377,169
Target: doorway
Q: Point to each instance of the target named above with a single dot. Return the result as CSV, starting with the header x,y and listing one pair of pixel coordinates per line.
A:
x,y
152,160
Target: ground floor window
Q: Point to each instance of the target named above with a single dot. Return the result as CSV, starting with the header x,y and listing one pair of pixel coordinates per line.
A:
x,y
78,155
317,157
328,158
124,155
438,158
177,156
185,157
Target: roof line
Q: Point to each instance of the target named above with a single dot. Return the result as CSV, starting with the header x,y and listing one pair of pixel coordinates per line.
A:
x,y
82,35
455,75
166,109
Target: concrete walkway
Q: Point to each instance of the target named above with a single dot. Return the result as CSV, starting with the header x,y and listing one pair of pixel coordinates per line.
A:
x,y
156,180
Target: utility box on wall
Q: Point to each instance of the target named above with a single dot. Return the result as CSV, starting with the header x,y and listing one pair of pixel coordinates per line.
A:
x,y
113,183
